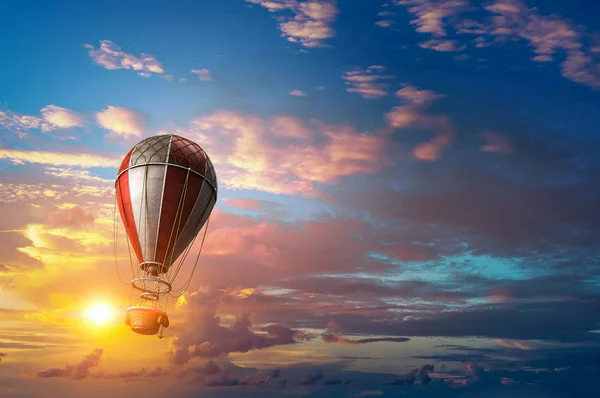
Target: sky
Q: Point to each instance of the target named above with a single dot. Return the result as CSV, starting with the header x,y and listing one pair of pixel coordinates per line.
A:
x,y
408,197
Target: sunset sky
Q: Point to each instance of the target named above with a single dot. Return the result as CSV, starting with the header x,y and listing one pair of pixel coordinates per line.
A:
x,y
408,199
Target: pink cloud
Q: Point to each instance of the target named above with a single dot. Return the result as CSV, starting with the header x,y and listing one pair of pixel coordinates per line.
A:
x,y
284,155
431,17
508,21
110,56
496,143
252,204
298,93
500,295
367,82
443,45
412,113
70,217
203,74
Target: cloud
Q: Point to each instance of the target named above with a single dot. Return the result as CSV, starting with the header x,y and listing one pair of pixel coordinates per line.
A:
x,y
334,338
140,374
506,21
282,154
2,354
61,117
367,82
311,378
76,174
311,24
442,45
205,337
59,158
412,114
203,74
73,217
80,370
110,56
298,93
496,143
53,118
121,121
384,23
431,17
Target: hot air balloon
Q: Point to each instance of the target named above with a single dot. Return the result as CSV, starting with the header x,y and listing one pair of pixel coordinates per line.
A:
x,y
166,189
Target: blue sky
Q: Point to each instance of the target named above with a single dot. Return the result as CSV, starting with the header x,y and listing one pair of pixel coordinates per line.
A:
x,y
412,169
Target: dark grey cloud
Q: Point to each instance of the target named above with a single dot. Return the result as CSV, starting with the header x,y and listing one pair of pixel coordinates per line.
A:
x,y
568,320
542,198
205,337
334,338
80,370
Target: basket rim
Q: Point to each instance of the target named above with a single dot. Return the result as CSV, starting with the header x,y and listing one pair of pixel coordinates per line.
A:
x,y
149,309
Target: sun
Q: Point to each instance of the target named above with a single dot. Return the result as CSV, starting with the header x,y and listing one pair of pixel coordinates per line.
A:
x,y
100,313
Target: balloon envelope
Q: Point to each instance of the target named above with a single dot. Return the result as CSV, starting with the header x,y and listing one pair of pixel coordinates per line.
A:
x,y
166,189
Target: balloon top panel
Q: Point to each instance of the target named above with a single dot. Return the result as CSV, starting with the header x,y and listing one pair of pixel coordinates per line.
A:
x,y
171,149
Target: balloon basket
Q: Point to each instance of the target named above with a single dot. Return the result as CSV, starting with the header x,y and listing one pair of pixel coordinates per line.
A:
x,y
146,320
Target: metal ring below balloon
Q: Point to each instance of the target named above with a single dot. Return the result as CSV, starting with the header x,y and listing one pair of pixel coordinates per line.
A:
x,y
150,296
151,284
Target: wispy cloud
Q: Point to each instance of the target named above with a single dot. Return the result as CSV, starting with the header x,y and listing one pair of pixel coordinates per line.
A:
x,y
58,158
78,371
121,121
52,118
503,22
298,93
367,82
496,143
442,45
203,74
110,56
312,21
334,338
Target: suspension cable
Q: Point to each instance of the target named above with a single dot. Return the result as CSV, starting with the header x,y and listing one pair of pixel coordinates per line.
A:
x,y
187,284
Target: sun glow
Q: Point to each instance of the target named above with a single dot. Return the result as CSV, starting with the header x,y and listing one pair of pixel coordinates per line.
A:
x,y
100,313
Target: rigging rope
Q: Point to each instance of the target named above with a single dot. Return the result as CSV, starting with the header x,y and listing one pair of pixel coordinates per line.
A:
x,y
187,284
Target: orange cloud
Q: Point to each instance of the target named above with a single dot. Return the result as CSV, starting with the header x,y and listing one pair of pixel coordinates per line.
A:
x,y
61,117
120,121
521,345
